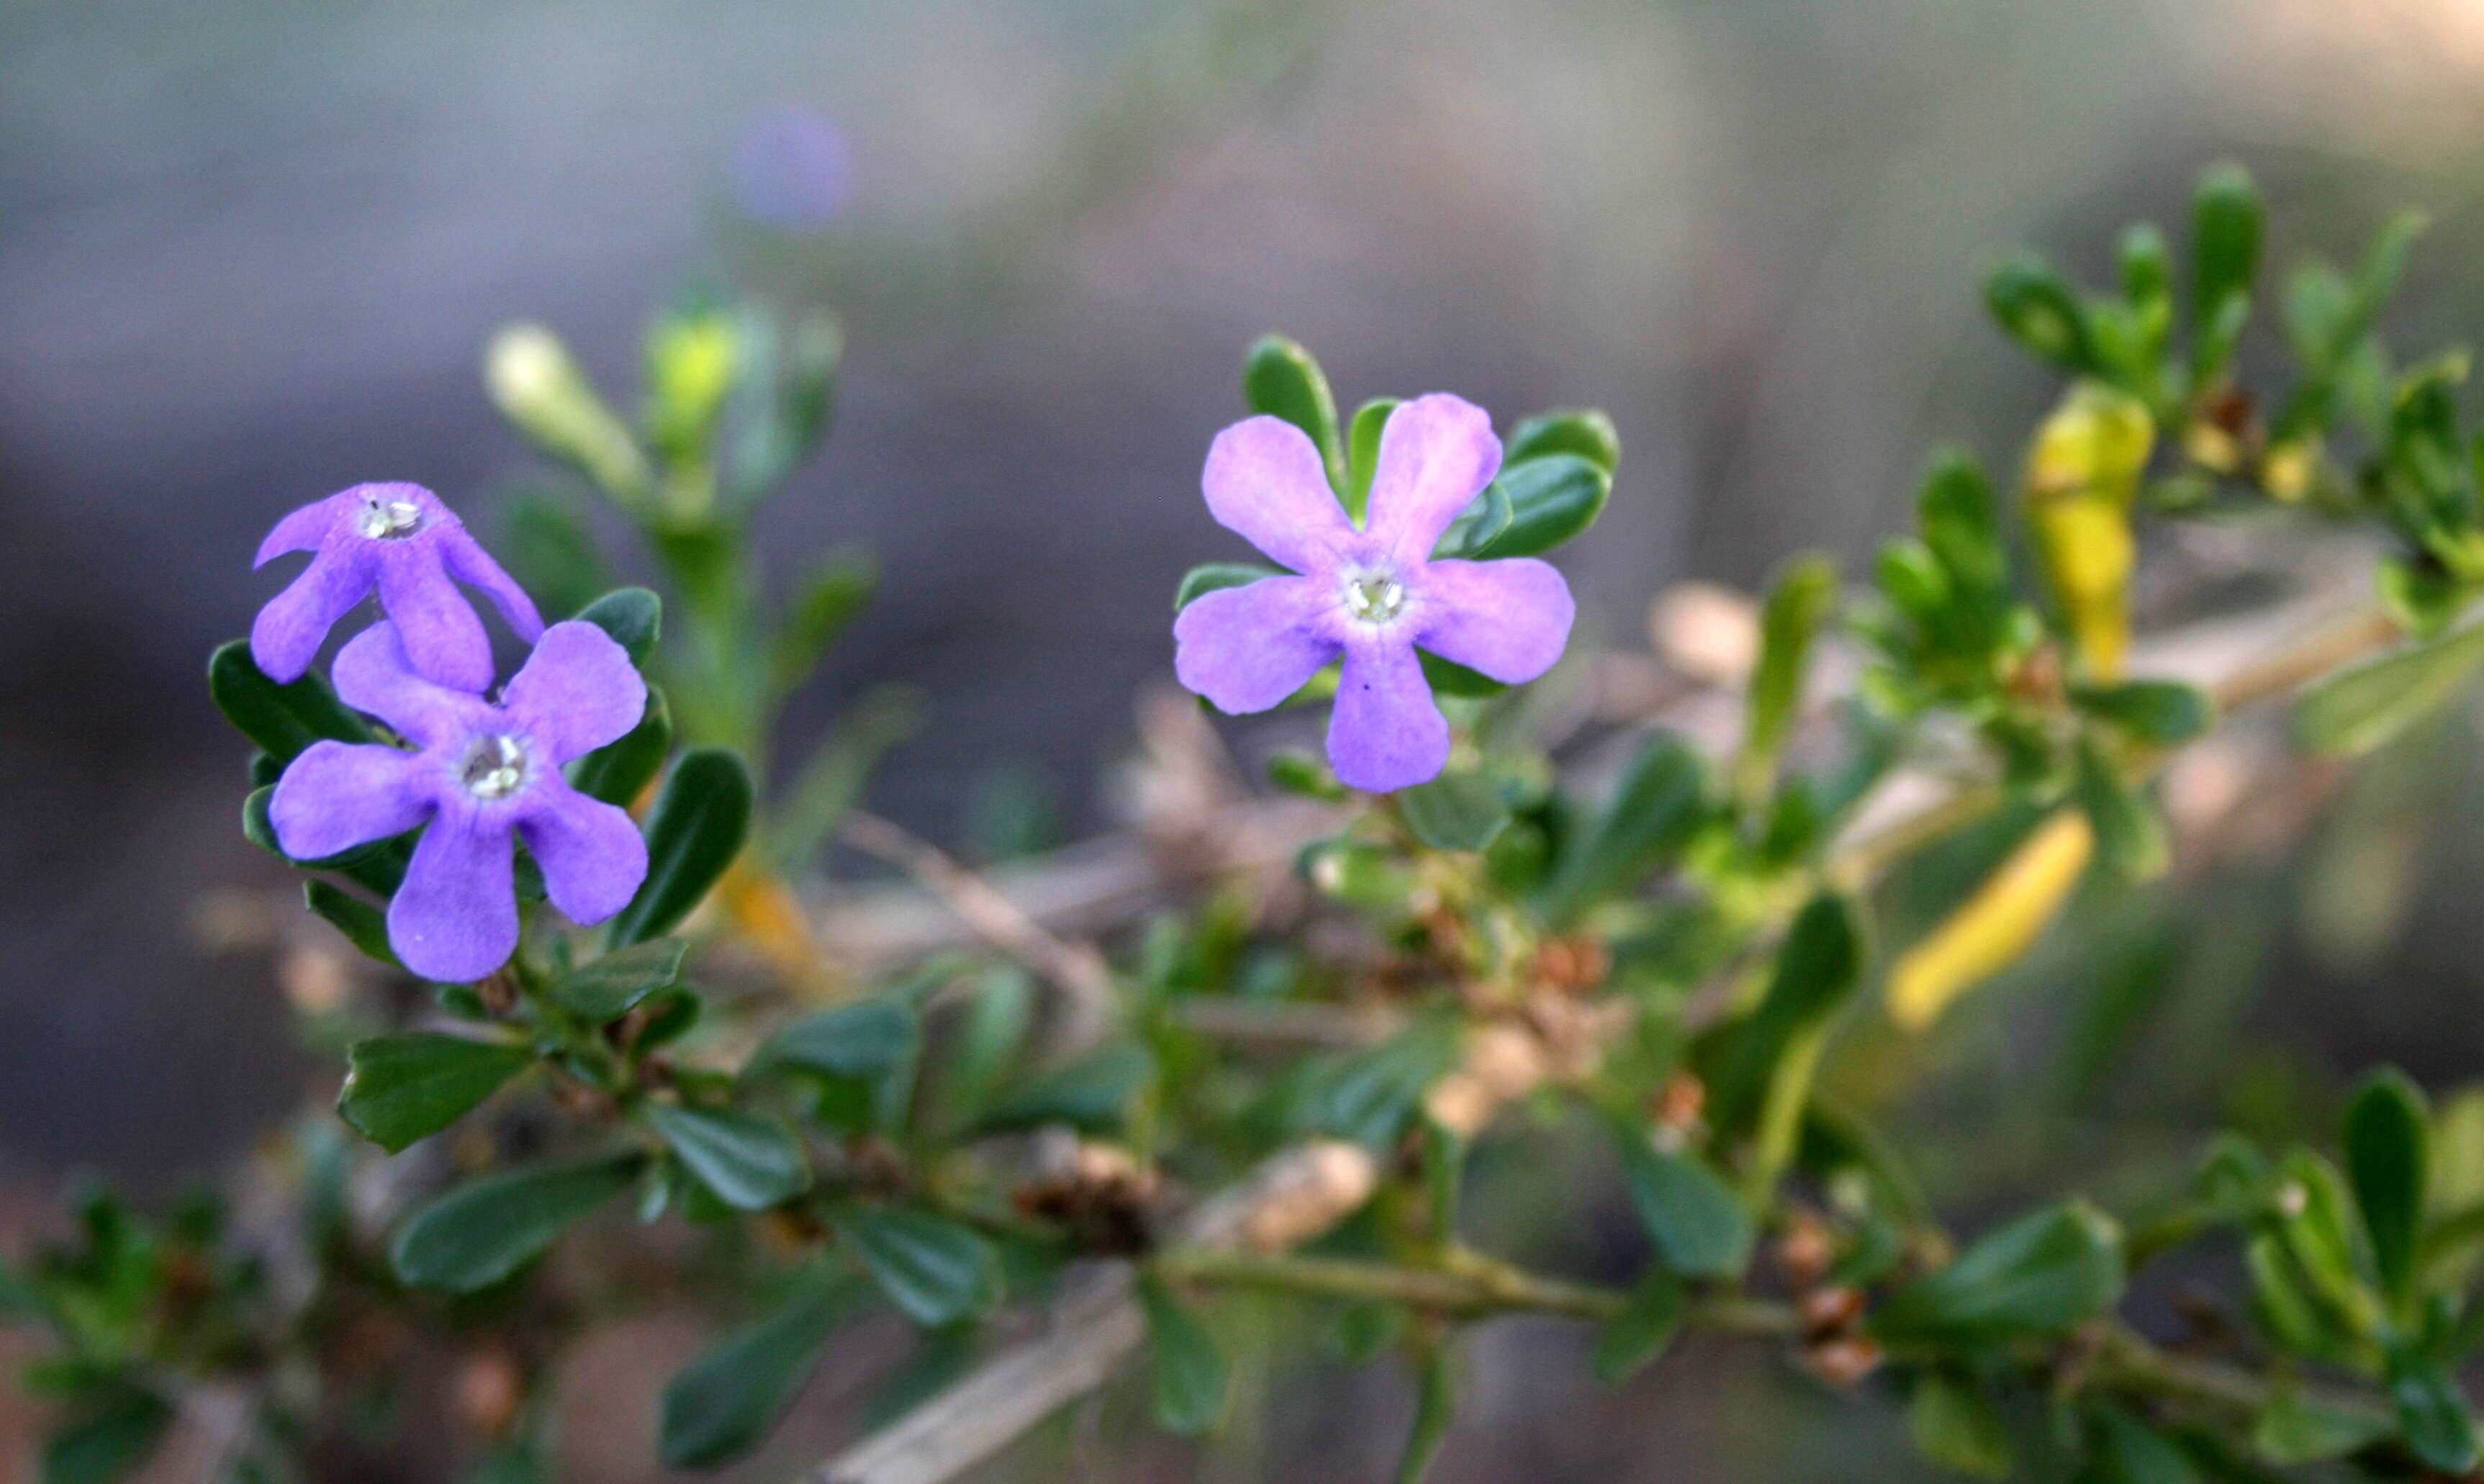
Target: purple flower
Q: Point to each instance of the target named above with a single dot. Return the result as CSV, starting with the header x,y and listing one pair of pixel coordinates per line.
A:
x,y
1371,595
483,771
400,539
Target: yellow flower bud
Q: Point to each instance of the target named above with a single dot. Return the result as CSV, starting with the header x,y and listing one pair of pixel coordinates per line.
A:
x,y
2081,476
1992,929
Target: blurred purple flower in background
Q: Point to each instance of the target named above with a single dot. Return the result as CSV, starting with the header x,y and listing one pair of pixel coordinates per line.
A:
x,y
1371,595
792,168
483,773
400,539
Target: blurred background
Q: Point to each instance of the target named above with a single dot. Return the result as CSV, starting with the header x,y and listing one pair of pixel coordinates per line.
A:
x,y
250,254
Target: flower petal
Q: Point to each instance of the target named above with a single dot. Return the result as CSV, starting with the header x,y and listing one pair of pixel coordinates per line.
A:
x,y
1508,618
336,795
286,635
1385,733
1265,483
455,919
576,691
1246,648
438,627
305,529
1437,453
373,675
592,855
469,563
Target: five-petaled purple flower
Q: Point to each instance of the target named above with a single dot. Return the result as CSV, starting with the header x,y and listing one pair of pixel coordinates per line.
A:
x,y
400,539
483,773
1372,595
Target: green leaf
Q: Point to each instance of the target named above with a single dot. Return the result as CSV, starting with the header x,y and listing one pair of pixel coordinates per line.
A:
x,y
862,1041
1958,1428
620,769
2126,1450
1551,499
750,1162
2292,1431
1961,526
1209,577
1699,1227
2433,1415
1587,432
1187,1371
399,1089
834,776
1633,1339
1817,971
1281,379
935,1270
364,925
2226,225
2161,713
108,1441
613,986
2029,301
2131,836
2387,1154
1362,451
1092,1094
1367,1096
1484,521
1456,811
834,594
282,719
379,866
693,834
633,616
2043,1274
548,543
484,1230
721,1404
1436,1406
2358,710
1662,803
1801,601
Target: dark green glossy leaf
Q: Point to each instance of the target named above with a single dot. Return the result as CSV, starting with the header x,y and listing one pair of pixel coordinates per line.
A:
x,y
399,1089
1483,522
2357,710
364,925
2388,1147
1817,971
2226,227
2033,305
379,866
2131,837
1698,1225
1188,1374
1456,811
863,1041
1801,601
1662,802
693,834
282,719
2161,713
613,986
620,770
633,616
1633,1339
1281,379
1092,1094
2293,1431
1552,500
1587,432
1362,451
1447,677
482,1231
2043,1274
1961,526
935,1270
723,1404
1957,1427
2433,1415
750,1162
2126,1450
1209,577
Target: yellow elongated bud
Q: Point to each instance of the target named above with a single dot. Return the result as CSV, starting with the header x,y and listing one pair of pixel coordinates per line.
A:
x,y
2082,476
1992,929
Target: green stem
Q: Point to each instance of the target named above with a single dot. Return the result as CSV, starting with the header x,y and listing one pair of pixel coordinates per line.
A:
x,y
1780,1124
1478,1285
1436,1405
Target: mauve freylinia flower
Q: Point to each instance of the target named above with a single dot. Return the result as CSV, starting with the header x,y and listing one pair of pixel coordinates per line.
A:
x,y
1374,595
484,771
399,539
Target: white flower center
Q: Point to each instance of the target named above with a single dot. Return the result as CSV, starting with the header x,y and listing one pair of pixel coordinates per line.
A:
x,y
494,768
1374,597
389,519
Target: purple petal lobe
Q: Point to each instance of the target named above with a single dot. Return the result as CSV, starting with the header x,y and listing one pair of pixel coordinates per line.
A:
x,y
305,529
285,637
469,563
441,633
1508,618
455,919
372,674
576,691
1437,453
1385,733
1246,648
1265,483
336,795
593,857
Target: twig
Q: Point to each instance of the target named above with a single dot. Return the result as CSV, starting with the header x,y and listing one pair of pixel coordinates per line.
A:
x,y
2241,660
